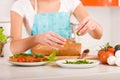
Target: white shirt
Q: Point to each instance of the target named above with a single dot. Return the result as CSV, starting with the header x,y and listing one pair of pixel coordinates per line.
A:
x,y
25,9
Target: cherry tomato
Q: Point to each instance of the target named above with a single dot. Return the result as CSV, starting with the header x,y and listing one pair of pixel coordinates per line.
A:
x,y
21,59
31,60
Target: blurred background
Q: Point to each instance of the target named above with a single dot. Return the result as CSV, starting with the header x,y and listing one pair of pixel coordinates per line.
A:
x,y
106,12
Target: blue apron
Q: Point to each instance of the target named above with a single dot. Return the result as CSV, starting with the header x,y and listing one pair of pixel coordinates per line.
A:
x,y
58,22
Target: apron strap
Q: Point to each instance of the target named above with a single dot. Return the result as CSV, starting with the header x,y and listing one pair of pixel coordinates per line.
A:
x,y
35,6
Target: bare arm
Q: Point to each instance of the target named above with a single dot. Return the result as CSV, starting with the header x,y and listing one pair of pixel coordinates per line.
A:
x,y
18,44
87,24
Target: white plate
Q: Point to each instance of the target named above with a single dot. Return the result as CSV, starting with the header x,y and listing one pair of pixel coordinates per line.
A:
x,y
28,63
62,64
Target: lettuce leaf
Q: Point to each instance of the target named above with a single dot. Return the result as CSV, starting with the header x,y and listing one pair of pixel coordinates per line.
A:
x,y
3,38
52,56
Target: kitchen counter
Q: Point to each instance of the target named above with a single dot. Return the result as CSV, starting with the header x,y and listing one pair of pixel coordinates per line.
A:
x,y
53,72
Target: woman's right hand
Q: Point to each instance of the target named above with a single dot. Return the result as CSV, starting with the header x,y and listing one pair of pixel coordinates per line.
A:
x,y
50,39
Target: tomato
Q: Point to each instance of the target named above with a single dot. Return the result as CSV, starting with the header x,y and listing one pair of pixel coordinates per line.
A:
x,y
21,59
100,52
105,51
31,60
111,49
103,55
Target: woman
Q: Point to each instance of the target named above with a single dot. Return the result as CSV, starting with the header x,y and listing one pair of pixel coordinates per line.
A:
x,y
48,21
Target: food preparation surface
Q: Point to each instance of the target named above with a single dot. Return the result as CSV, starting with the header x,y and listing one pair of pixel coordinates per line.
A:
x,y
76,57
54,72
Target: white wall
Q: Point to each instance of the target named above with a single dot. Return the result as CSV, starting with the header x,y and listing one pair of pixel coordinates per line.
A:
x,y
5,6
115,12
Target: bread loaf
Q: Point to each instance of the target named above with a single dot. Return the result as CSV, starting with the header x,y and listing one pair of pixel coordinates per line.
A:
x,y
71,49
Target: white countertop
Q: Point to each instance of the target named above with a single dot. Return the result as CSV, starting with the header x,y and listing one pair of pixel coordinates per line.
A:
x,y
51,72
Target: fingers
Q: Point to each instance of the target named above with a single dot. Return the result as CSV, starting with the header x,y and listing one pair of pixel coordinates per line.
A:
x,y
83,23
84,30
49,43
52,40
56,41
53,43
51,46
58,37
92,27
86,25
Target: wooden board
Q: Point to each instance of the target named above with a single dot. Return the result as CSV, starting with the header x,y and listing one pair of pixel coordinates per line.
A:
x,y
76,57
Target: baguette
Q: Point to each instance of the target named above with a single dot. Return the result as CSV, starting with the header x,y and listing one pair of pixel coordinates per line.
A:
x,y
71,49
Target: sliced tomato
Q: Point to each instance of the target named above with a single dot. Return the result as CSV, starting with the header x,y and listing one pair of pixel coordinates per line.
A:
x,y
21,59
31,60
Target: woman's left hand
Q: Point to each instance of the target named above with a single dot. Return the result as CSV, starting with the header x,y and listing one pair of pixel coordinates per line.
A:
x,y
86,25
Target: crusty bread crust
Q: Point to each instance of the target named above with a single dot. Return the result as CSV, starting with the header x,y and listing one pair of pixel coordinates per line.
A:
x,y
71,49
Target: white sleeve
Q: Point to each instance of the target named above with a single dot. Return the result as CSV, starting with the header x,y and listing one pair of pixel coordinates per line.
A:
x,y
74,4
18,7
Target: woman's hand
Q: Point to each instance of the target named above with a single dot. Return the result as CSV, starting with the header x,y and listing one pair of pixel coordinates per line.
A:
x,y
86,25
50,39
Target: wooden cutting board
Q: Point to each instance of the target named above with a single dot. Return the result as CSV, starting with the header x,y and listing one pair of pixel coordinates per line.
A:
x,y
76,57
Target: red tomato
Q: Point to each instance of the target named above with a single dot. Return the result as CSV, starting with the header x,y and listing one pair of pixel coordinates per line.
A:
x,y
111,49
103,56
31,60
22,59
100,52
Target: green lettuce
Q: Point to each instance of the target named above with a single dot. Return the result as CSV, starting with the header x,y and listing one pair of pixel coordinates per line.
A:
x,y
3,37
52,56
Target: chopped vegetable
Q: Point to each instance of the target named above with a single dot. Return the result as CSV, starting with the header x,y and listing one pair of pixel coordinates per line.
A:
x,y
78,62
24,57
77,34
25,54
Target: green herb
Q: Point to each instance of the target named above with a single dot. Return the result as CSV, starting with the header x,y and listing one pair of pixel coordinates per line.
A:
x,y
51,57
3,38
77,34
26,54
39,56
78,62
